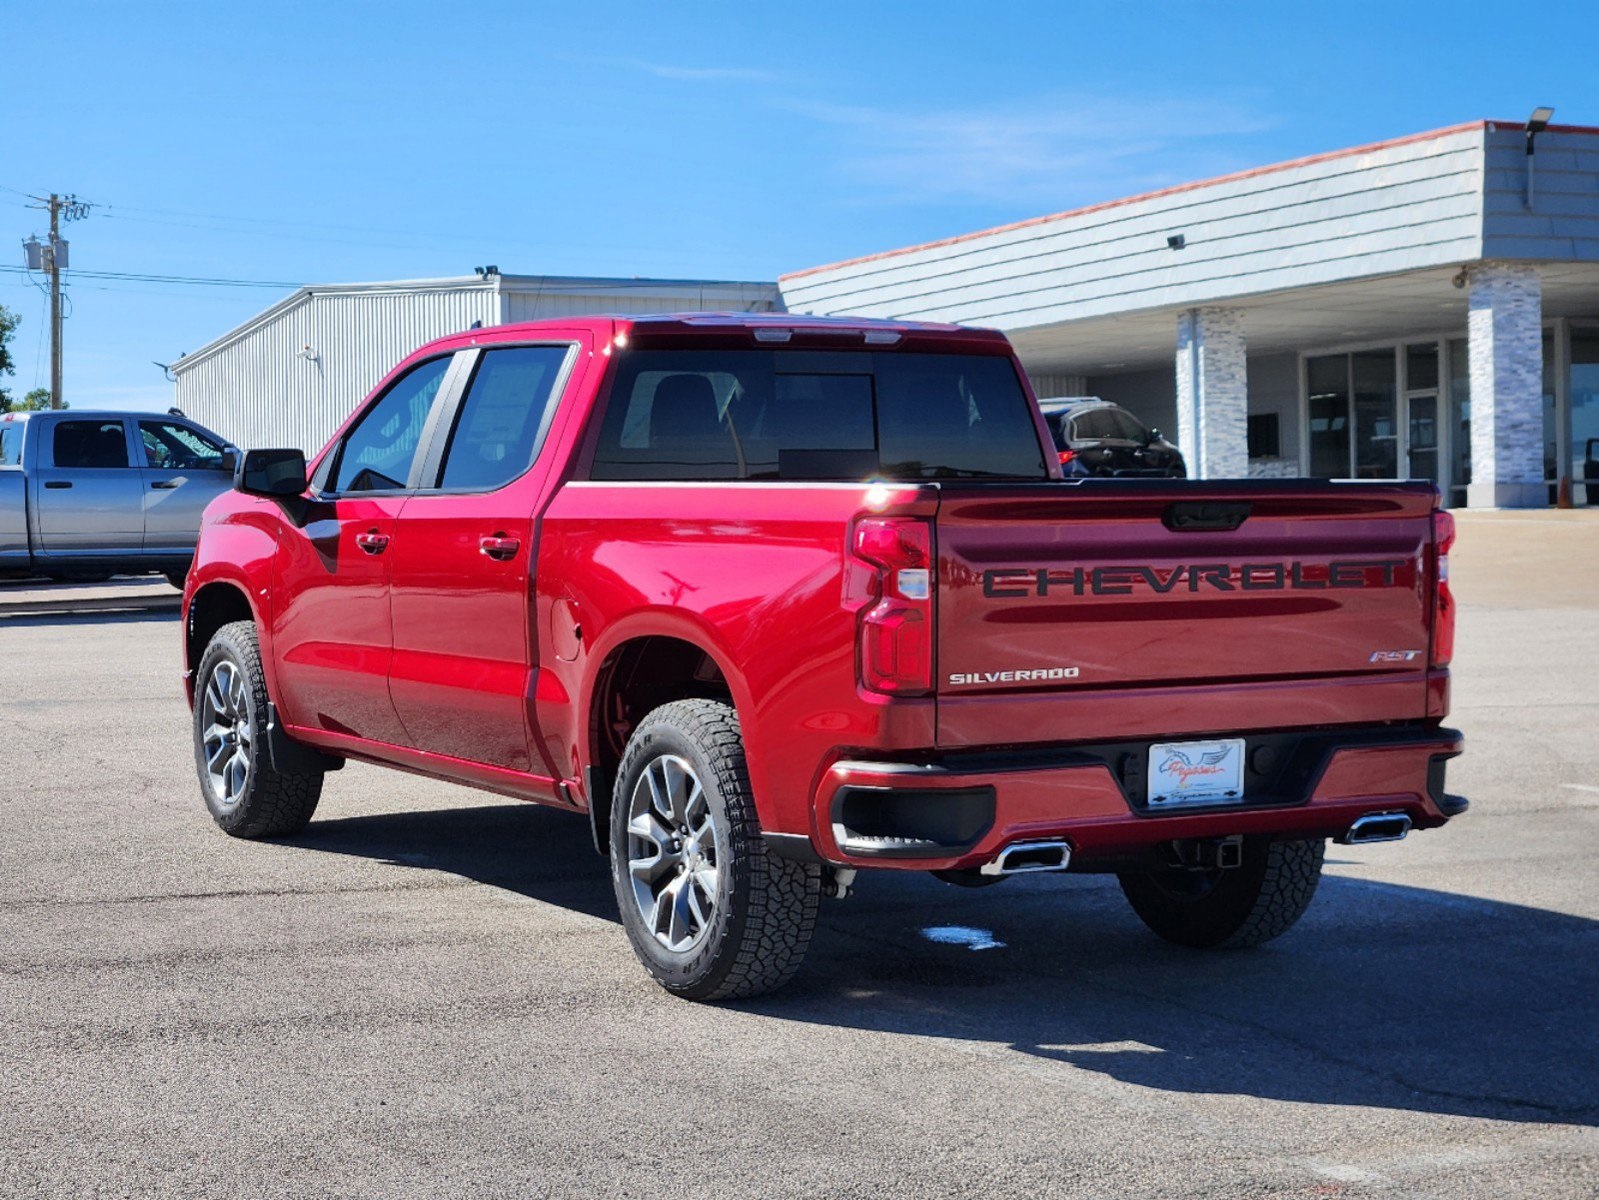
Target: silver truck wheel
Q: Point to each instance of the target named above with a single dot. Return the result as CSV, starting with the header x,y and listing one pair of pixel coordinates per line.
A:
x,y
711,913
247,796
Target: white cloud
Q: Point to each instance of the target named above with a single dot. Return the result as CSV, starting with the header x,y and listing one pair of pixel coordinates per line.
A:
x,y
1051,149
688,74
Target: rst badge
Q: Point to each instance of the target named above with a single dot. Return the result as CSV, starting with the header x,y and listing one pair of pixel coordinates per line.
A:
x,y
1395,656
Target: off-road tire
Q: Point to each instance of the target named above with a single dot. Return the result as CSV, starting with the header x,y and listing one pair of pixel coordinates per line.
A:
x,y
1231,909
765,907
271,803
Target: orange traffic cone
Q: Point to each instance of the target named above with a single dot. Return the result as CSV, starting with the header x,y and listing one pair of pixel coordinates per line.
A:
x,y
1563,500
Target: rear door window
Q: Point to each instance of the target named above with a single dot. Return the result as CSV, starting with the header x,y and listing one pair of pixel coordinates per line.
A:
x,y
89,444
1091,426
504,418
1125,425
10,445
800,414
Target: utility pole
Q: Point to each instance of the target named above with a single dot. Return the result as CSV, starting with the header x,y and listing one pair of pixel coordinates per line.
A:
x,y
52,257
55,301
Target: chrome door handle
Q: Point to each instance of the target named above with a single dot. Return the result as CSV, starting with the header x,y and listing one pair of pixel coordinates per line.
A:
x,y
499,547
372,542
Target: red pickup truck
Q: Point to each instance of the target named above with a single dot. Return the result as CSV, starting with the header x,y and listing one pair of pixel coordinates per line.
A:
x,y
774,598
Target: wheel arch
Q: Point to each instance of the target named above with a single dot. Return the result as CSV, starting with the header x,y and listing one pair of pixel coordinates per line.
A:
x,y
214,604
639,669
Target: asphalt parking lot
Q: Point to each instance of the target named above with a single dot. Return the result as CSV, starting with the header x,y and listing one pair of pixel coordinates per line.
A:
x,y
428,994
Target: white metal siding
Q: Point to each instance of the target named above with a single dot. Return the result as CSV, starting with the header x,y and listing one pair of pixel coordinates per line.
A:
x,y
536,300
256,391
254,387
1393,208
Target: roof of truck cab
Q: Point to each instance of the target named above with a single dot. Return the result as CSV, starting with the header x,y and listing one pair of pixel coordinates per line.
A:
x,y
714,324
92,414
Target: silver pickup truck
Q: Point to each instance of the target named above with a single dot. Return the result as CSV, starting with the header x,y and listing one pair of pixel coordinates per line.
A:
x,y
84,495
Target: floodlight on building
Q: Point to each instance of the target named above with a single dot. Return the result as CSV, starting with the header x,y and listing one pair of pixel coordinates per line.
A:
x,y
1536,124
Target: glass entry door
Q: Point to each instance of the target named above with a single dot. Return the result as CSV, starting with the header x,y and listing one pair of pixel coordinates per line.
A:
x,y
1366,420
1585,416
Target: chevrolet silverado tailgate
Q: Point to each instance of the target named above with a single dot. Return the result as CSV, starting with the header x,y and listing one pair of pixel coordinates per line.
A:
x,y
1122,609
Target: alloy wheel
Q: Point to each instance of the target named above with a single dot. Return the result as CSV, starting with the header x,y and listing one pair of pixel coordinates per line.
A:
x,y
674,853
229,737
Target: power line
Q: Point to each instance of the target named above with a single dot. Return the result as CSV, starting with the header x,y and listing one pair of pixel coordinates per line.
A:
x,y
188,280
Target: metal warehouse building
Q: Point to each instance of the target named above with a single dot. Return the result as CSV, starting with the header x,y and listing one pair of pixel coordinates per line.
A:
x,y
1420,308
292,374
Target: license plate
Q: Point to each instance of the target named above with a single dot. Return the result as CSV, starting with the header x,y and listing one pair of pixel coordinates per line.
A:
x,y
1184,774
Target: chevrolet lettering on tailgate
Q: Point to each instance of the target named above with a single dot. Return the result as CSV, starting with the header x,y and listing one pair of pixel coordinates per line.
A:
x,y
1015,582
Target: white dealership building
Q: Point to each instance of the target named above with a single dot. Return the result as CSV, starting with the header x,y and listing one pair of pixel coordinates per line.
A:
x,y
1426,307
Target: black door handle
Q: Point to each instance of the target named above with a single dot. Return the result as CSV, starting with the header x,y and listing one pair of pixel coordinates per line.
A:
x,y
57,483
164,485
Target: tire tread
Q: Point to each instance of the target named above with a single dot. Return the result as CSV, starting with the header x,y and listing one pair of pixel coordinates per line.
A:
x,y
279,803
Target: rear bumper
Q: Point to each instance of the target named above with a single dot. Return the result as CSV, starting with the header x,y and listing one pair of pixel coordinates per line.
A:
x,y
962,810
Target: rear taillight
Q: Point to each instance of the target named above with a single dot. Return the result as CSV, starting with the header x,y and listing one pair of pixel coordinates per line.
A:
x,y
1443,601
896,639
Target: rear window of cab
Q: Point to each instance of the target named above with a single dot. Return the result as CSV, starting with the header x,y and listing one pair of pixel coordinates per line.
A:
x,y
815,415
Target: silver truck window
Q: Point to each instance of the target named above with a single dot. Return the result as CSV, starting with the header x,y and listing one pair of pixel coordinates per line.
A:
x,y
91,444
171,447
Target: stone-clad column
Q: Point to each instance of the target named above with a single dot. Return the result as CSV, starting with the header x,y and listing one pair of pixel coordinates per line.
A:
x,y
1505,325
1212,395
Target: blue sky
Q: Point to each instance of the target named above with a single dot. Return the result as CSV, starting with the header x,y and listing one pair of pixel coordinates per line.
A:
x,y
332,142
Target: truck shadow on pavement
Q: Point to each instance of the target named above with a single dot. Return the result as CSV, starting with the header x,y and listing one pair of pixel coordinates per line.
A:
x,y
1384,995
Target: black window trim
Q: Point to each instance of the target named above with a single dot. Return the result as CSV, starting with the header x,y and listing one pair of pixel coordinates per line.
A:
x,y
441,433
329,467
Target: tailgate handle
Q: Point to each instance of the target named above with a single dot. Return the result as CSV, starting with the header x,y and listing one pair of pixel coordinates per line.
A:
x,y
1196,516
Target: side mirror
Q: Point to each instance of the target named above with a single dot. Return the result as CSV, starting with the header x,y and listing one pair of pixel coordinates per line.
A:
x,y
274,473
1154,436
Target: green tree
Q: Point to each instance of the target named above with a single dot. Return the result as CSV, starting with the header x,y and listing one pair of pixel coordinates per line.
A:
x,y
8,326
36,401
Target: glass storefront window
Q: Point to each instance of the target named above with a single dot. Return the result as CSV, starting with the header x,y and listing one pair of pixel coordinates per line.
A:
x,y
1421,367
1551,448
1327,378
1585,416
1459,420
1376,414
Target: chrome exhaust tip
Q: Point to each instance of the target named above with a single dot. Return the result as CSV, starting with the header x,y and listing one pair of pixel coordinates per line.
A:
x,y
1021,858
1377,827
